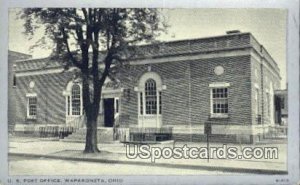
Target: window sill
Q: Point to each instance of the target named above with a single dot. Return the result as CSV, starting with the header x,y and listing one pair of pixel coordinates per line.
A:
x,y
74,116
221,116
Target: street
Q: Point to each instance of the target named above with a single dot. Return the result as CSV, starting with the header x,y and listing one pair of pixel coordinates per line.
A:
x,y
43,166
47,157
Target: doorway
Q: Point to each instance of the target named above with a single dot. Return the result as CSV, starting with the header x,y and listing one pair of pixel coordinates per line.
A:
x,y
109,112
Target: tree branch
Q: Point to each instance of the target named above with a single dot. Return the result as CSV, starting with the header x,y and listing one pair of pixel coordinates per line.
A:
x,y
80,37
85,14
65,39
108,61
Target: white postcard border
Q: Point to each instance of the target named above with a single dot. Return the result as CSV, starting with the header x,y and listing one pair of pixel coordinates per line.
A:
x,y
293,84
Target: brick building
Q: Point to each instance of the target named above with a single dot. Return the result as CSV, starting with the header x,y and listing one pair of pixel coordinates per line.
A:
x,y
173,87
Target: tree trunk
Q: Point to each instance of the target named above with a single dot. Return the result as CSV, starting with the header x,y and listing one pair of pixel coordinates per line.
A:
x,y
91,135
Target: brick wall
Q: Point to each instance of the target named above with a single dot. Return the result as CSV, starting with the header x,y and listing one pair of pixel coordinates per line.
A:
x,y
50,99
12,58
174,101
186,99
237,73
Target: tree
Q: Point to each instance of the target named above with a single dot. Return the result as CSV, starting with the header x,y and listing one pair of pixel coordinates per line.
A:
x,y
87,37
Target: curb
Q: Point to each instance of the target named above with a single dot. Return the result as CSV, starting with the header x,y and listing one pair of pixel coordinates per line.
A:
x,y
168,165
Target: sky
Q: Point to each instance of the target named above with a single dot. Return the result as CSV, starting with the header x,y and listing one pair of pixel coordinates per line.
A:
x,y
267,25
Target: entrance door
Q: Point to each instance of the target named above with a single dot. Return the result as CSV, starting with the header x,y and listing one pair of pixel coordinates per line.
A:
x,y
109,112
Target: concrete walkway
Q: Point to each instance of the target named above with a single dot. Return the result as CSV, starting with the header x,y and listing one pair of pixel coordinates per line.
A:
x,y
116,153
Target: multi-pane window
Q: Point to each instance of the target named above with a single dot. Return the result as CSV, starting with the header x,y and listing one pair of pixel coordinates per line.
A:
x,y
219,100
76,100
32,106
150,97
150,101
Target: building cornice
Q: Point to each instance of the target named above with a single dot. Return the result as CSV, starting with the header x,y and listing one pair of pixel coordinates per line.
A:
x,y
242,51
194,56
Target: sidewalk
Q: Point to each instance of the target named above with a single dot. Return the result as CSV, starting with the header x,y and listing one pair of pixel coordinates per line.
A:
x,y
116,153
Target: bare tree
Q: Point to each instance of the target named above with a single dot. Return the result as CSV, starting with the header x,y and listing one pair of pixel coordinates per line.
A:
x,y
78,35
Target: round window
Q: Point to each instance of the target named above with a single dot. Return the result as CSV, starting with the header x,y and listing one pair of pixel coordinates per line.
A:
x,y
31,84
219,70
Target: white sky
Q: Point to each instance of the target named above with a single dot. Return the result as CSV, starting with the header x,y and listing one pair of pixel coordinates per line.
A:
x,y
267,25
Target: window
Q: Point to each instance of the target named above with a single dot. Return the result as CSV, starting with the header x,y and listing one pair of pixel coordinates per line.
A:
x,y
151,97
219,100
73,98
14,81
32,107
76,100
117,105
149,92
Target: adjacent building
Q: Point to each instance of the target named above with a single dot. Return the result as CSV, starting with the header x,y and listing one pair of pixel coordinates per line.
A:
x,y
281,103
